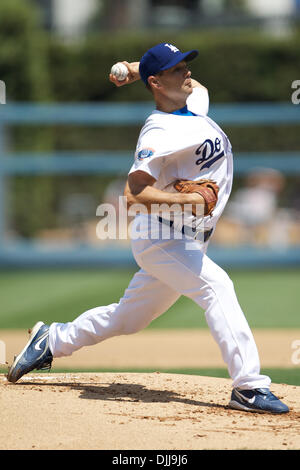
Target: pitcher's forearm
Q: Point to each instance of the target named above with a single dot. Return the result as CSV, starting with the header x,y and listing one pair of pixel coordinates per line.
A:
x,y
150,197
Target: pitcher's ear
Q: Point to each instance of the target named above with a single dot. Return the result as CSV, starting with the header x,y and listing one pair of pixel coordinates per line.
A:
x,y
153,81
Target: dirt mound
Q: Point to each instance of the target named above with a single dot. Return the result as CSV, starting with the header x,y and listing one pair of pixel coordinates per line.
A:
x,y
138,411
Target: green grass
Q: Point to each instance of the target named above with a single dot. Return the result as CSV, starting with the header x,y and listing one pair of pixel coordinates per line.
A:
x,y
286,376
270,299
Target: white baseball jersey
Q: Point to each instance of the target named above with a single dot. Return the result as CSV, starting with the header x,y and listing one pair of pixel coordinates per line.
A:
x,y
191,147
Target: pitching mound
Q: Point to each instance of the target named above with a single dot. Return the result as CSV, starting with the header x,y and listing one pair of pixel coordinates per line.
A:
x,y
138,411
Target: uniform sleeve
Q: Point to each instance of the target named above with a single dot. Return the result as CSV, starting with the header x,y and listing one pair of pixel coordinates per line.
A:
x,y
198,101
149,153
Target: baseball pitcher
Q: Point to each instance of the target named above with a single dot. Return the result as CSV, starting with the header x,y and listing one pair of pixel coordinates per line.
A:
x,y
183,160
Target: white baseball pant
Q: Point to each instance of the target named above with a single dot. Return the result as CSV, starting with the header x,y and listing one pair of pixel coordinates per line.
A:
x,y
168,270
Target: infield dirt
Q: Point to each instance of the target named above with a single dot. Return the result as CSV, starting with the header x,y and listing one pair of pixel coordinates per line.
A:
x,y
130,411
164,349
153,411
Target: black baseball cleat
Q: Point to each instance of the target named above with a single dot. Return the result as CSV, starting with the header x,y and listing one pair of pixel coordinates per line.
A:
x,y
35,355
259,400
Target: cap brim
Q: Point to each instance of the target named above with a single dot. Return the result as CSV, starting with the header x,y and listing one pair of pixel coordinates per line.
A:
x,y
186,56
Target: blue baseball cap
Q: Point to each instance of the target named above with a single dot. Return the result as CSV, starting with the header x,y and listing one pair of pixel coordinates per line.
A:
x,y
162,57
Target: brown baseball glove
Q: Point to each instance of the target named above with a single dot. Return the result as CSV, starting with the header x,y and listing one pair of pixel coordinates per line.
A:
x,y
208,189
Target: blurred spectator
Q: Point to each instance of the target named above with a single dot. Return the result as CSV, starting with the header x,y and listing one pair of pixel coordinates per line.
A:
x,y
256,203
114,190
253,214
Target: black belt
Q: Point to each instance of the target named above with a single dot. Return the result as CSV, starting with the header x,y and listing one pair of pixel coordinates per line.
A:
x,y
189,231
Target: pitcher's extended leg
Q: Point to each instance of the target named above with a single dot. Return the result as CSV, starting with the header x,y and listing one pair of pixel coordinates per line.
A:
x,y
144,300
194,275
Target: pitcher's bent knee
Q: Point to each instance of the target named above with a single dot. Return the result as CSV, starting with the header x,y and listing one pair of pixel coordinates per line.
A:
x,y
130,328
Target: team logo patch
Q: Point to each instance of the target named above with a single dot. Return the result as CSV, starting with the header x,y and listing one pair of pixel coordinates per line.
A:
x,y
145,153
172,48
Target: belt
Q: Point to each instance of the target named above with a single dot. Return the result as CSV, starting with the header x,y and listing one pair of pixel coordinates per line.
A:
x,y
189,231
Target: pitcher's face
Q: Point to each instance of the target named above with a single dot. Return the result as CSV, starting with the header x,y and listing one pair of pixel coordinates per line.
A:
x,y
175,83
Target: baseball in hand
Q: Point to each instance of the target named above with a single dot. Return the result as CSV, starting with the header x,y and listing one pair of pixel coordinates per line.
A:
x,y
120,71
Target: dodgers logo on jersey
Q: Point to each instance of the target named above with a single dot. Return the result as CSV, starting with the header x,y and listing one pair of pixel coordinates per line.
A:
x,y
145,153
210,152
